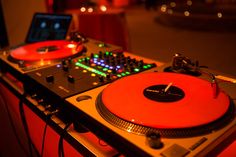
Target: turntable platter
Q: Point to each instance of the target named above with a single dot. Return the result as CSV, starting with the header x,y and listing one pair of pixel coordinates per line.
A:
x,y
141,99
46,50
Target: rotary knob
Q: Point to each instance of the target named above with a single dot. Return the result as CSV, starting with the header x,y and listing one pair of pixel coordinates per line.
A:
x,y
154,140
70,79
50,78
65,67
101,78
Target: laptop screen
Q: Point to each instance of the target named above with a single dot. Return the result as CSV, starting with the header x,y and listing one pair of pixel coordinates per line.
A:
x,y
46,26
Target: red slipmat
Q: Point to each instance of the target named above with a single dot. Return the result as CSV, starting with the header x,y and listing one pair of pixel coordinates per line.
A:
x,y
125,99
46,50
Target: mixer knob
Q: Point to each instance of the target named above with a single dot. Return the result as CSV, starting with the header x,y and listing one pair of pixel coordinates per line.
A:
x,y
100,55
107,61
118,61
131,69
86,60
50,78
101,78
91,55
133,60
140,63
65,67
63,62
113,63
69,60
120,53
114,71
108,76
125,66
70,79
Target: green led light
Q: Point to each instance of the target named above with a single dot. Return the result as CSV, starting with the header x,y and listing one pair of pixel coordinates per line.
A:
x,y
80,60
136,69
107,53
104,69
127,73
96,56
149,65
87,57
123,74
145,67
90,69
118,75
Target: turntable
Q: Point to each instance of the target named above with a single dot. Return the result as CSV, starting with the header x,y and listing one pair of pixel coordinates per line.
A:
x,y
40,54
160,114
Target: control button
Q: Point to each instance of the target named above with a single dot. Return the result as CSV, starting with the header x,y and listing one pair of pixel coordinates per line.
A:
x,y
83,97
70,78
50,78
154,140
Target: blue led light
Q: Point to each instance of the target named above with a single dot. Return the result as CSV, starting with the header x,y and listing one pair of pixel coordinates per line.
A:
x,y
107,66
94,61
98,63
101,60
110,67
103,64
58,65
118,67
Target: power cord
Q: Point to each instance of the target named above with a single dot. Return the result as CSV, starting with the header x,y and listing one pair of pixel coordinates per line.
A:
x,y
60,143
43,139
48,116
25,125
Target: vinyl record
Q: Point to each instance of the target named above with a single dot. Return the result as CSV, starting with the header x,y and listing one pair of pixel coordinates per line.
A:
x,y
165,100
46,50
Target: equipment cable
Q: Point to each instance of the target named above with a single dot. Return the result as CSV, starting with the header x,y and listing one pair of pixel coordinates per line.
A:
x,y
3,100
60,143
25,125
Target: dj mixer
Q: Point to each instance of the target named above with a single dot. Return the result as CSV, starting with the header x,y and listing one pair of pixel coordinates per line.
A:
x,y
139,106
